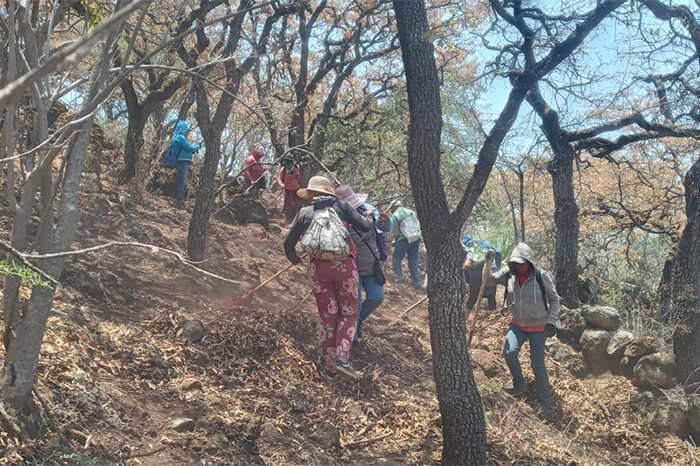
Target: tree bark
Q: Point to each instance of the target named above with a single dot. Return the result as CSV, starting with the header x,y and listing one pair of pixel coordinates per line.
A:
x,y
464,430
685,287
561,168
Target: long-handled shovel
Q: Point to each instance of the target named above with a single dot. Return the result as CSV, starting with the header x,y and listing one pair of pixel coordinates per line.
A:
x,y
487,268
245,299
413,306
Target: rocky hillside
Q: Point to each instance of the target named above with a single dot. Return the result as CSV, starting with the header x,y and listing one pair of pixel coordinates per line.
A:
x,y
140,367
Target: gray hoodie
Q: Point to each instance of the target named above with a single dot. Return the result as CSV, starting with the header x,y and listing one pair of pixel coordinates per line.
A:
x,y
525,303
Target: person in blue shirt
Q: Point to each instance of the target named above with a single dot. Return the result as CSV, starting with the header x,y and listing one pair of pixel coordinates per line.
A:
x,y
185,150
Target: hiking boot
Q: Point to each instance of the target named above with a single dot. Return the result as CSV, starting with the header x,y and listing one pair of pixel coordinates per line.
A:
x,y
346,370
358,348
516,391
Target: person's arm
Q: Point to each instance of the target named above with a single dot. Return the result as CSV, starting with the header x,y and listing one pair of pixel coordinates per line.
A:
x,y
499,278
353,217
551,291
386,227
280,178
298,227
185,144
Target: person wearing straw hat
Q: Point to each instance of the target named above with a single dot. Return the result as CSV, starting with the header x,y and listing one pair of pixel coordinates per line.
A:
x,y
368,262
334,282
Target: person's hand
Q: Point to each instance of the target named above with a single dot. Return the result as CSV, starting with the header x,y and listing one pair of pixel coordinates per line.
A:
x,y
384,217
550,330
491,254
368,213
467,264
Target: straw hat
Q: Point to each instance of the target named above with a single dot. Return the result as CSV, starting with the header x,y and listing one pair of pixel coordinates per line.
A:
x,y
317,184
346,193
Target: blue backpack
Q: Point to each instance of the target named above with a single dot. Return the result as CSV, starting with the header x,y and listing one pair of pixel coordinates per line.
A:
x,y
171,155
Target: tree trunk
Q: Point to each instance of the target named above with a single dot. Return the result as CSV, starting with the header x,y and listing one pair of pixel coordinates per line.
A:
x,y
521,180
567,226
463,426
133,144
664,295
561,167
685,287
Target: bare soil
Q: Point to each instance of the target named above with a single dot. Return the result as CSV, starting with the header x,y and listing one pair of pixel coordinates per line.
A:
x,y
116,375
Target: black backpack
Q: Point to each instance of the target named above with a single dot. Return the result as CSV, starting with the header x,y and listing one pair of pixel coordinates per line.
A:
x,y
538,277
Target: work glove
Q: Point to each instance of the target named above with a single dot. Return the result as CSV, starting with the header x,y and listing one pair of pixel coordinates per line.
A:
x,y
550,330
491,254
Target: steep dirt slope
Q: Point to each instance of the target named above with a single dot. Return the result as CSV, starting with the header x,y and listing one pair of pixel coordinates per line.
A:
x,y
116,375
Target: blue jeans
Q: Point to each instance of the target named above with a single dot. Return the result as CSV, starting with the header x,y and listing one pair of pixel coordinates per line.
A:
x,y
514,341
183,166
401,248
374,293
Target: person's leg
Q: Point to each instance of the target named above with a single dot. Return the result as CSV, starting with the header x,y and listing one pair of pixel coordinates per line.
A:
x,y
182,169
345,284
400,250
490,293
413,252
374,299
537,348
327,309
514,341
361,285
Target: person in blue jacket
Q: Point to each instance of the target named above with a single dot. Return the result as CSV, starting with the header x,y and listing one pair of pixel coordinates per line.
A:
x,y
185,149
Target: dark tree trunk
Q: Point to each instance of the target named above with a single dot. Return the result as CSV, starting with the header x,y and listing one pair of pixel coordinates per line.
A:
x,y
561,167
521,180
664,294
464,430
133,144
685,287
567,226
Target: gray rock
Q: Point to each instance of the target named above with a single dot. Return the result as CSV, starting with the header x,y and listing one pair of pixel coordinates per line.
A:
x,y
270,437
670,416
595,350
190,384
183,424
588,289
640,401
656,370
636,350
191,330
694,415
571,324
618,343
604,317
327,436
244,208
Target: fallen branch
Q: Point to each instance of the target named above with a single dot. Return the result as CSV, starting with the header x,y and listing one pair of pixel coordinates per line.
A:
x,y
357,443
10,421
24,257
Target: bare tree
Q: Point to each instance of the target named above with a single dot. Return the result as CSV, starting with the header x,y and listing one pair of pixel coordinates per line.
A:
x,y
460,405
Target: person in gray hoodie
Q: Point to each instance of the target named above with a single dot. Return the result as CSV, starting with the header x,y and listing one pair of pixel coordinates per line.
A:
x,y
534,304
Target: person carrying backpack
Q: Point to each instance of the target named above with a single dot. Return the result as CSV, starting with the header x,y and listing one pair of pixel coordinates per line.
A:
x,y
407,236
253,180
322,231
288,179
473,269
534,304
184,151
369,264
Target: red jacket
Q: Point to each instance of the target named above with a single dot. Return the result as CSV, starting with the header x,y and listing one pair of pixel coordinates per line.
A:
x,y
253,172
289,181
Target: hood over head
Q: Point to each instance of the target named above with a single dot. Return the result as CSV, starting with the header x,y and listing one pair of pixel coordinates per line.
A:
x,y
181,128
521,254
258,152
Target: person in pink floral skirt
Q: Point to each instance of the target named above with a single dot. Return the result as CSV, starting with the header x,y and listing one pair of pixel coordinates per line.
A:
x,y
334,282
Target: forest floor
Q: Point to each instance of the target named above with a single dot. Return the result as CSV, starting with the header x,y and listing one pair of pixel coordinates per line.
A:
x,y
116,375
